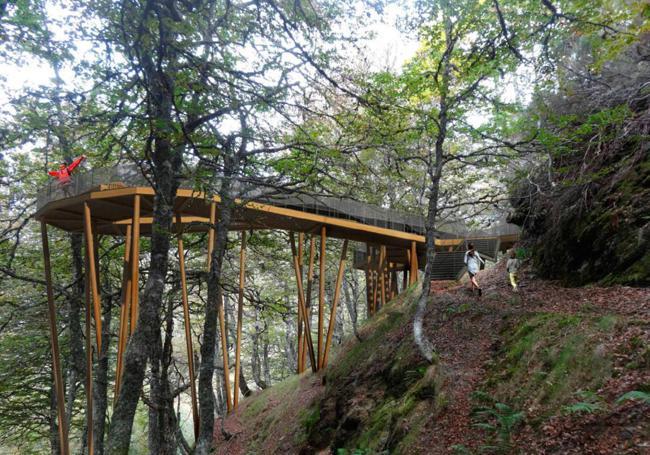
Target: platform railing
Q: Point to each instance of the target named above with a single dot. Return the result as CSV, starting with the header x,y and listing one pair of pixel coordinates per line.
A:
x,y
131,176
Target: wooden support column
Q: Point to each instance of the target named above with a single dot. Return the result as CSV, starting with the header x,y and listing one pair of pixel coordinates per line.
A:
x,y
382,274
188,332
301,304
89,360
135,263
414,263
375,280
54,341
368,287
337,293
240,314
310,281
221,315
92,274
321,293
124,312
299,346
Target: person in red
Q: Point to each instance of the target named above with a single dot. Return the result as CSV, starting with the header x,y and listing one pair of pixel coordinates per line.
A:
x,y
64,172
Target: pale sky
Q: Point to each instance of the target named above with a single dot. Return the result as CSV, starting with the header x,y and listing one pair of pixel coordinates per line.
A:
x,y
389,48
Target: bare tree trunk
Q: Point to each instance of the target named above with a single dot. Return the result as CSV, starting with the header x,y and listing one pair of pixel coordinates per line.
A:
x,y
100,387
77,363
166,160
147,331
243,386
215,299
167,420
351,294
162,417
266,364
256,361
435,166
219,396
290,344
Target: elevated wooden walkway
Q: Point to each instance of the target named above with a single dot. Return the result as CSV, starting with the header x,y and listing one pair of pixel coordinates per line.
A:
x,y
120,202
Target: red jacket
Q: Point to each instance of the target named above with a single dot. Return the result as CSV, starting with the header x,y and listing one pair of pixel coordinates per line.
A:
x,y
63,174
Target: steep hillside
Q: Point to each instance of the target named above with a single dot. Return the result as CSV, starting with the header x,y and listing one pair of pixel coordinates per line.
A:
x,y
551,370
584,211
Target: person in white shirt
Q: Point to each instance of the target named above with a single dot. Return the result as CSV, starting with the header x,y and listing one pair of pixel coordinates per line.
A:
x,y
473,261
512,267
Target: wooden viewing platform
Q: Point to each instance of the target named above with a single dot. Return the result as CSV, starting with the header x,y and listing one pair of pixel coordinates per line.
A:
x,y
120,203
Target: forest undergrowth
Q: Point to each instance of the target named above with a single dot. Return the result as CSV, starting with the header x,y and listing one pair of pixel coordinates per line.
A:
x,y
548,370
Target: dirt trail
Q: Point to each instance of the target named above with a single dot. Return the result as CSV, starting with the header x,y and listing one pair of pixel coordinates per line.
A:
x,y
466,333
465,345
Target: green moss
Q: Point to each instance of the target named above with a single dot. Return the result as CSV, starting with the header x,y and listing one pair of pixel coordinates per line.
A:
x,y
308,419
382,423
394,423
361,355
607,323
547,357
637,274
376,432
276,401
255,405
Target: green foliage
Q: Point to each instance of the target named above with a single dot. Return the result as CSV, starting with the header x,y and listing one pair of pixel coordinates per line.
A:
x,y
590,404
459,449
582,407
635,395
310,417
546,359
500,421
341,451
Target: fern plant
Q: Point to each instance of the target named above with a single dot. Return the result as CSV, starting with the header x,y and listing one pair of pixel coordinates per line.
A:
x,y
501,421
590,403
644,397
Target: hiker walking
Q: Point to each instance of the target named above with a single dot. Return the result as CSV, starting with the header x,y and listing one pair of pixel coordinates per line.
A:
x,y
64,173
512,268
473,262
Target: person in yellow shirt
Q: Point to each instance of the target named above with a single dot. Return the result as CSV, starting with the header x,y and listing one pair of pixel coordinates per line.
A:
x,y
512,267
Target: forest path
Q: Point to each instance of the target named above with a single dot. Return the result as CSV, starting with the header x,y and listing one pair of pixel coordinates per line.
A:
x,y
468,334
466,345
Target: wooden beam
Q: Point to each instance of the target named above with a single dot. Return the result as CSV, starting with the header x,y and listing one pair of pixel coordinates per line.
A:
x,y
89,361
382,274
321,293
310,281
301,304
240,315
375,280
54,342
299,368
220,309
337,293
368,285
224,351
334,222
414,263
188,333
145,220
135,265
92,272
124,312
